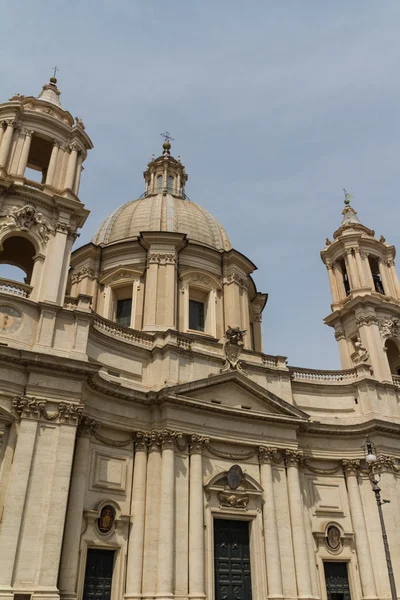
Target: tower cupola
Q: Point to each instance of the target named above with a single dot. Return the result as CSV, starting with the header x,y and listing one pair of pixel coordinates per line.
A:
x,y
42,150
165,174
365,292
41,144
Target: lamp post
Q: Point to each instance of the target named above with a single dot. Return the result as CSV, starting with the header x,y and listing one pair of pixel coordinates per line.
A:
x,y
370,459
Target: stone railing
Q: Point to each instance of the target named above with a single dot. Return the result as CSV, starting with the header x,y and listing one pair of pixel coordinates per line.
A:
x,y
121,332
314,375
396,380
269,361
15,288
33,184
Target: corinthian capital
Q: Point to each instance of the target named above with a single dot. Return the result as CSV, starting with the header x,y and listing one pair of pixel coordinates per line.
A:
x,y
293,458
351,467
197,443
267,454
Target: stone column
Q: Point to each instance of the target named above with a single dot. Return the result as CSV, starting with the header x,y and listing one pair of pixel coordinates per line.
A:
x,y
300,549
6,143
71,169
196,520
150,301
332,283
170,290
360,267
52,164
385,279
367,270
15,502
134,569
337,270
257,332
351,468
52,542
79,170
351,269
23,159
165,572
152,519
395,280
73,522
271,538
344,353
3,125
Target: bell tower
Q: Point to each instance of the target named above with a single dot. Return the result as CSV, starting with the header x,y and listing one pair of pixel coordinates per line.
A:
x,y
365,296
42,149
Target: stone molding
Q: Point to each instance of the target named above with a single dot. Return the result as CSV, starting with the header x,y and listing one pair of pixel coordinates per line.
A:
x,y
235,277
268,455
169,258
351,467
366,320
340,334
197,443
77,276
293,458
66,412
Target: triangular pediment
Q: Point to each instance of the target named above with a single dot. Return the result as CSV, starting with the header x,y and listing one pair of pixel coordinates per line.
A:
x,y
236,392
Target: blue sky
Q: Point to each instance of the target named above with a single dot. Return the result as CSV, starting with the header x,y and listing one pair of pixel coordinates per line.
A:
x,y
274,107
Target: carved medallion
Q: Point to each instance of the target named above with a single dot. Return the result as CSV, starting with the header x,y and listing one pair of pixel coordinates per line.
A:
x,y
10,319
234,477
106,520
333,537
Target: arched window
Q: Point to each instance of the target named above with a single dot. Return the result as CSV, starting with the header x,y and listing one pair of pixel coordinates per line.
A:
x,y
170,184
16,259
159,183
393,356
346,281
376,276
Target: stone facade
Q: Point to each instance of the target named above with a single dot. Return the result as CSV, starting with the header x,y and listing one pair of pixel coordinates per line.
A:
x,y
128,426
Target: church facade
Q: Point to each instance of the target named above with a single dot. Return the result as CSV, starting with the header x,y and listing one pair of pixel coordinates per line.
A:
x,y
149,448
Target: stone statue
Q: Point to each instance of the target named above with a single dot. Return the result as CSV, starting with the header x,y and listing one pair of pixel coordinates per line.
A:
x,y
361,354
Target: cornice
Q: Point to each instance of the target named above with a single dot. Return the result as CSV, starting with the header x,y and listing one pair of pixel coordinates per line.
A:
x,y
38,361
343,430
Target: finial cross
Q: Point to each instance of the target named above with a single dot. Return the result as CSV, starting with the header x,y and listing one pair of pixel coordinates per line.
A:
x,y
55,69
347,196
167,136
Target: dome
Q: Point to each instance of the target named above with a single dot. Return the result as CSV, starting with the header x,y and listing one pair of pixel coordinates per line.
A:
x,y
163,212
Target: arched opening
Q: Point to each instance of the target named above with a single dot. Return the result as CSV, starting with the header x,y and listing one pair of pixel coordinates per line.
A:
x,y
393,356
170,184
346,281
376,276
16,259
159,184
38,159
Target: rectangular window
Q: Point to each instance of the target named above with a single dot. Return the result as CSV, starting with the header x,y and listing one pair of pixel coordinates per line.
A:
x,y
124,310
196,315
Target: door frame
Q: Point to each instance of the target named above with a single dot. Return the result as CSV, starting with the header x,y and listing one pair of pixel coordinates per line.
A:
x,y
257,561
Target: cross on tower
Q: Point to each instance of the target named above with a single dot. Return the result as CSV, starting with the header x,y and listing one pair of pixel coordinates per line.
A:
x,y
167,136
55,70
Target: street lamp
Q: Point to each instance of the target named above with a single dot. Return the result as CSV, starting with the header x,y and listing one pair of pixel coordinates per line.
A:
x,y
370,459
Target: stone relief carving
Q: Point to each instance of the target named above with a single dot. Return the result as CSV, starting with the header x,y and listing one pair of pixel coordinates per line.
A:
x,y
366,320
233,347
390,328
26,218
233,500
77,276
32,408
